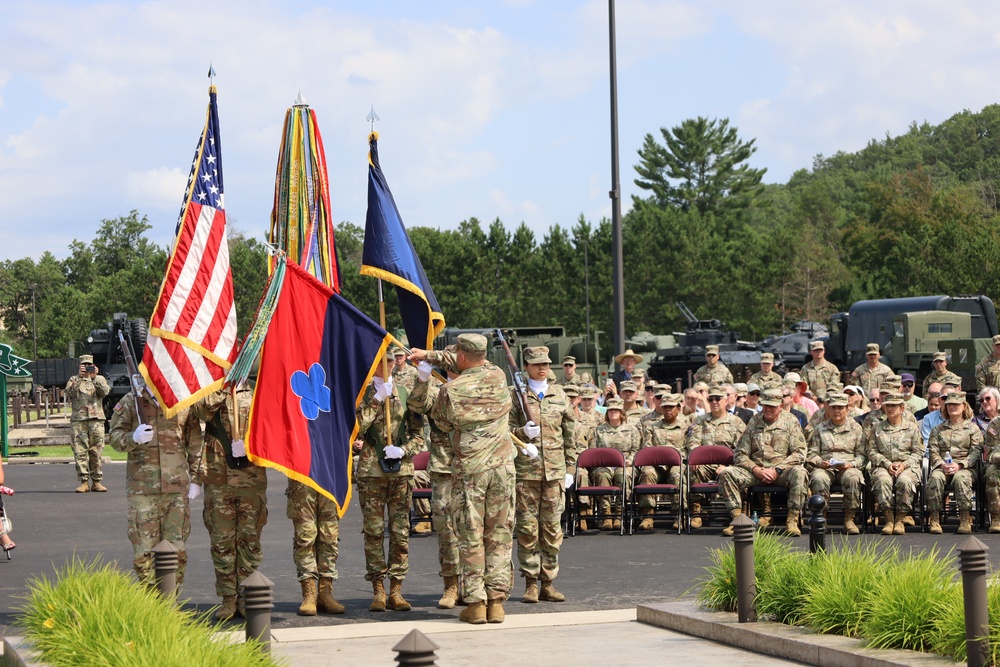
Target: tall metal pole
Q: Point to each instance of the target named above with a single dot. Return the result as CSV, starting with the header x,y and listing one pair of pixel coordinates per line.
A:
x,y
34,329
617,278
586,290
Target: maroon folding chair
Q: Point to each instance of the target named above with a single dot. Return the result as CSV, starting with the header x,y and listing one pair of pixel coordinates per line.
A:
x,y
699,456
420,462
666,457
600,457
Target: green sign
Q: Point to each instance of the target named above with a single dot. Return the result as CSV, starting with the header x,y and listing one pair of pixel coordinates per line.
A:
x,y
11,364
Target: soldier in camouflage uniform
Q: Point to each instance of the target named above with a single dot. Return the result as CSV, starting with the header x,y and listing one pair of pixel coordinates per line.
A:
x,y
668,429
570,375
628,391
895,450
836,453
385,482
991,455
988,368
235,509
403,374
161,475
873,373
616,433
587,419
86,392
541,479
714,371
473,408
766,375
716,427
819,373
955,445
315,546
939,374
771,451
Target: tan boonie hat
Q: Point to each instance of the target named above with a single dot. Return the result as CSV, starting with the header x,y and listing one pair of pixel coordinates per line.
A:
x,y
569,360
672,400
872,348
717,390
472,342
816,345
767,358
628,353
628,385
955,397
712,349
86,358
771,397
836,400
615,404
893,399
940,356
537,355
571,390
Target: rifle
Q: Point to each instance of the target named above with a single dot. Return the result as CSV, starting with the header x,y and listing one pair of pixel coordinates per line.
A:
x,y
135,379
519,385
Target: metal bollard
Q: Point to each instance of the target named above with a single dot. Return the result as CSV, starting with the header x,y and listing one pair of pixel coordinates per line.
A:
x,y
416,648
972,564
817,524
746,584
258,603
165,562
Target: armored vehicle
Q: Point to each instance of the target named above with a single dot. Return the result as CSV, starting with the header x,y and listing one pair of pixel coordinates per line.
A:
x,y
108,356
794,345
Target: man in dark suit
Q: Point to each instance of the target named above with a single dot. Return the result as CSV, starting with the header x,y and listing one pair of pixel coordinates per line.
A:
x,y
734,409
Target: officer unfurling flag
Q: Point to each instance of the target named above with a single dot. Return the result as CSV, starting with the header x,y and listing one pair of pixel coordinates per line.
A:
x,y
192,334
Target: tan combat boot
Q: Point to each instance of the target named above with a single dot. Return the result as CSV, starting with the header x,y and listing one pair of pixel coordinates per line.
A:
x,y
792,523
899,528
378,596
890,521
696,515
994,505
228,608
83,488
396,601
98,487
934,523
325,601
964,523
849,526
765,519
308,606
550,594
530,590
422,528
728,530
475,613
908,521
450,597
647,522
494,611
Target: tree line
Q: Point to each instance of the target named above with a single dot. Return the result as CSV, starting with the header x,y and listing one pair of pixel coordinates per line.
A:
x,y
907,215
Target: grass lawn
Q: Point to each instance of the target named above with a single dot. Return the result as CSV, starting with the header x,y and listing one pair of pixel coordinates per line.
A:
x,y
53,451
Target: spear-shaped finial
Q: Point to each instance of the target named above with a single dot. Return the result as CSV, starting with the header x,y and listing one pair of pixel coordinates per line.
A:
x,y
372,117
300,101
211,74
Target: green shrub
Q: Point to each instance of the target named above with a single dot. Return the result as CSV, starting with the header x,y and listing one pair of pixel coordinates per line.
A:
x,y
718,588
949,639
901,610
782,596
845,578
93,614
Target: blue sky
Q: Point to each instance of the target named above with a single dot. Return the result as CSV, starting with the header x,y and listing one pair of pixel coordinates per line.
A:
x,y
492,109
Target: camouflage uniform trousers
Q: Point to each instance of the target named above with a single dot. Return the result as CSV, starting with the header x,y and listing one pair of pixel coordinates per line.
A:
x,y
658,475
884,487
734,479
484,526
612,477
152,518
963,482
234,518
88,445
992,475
537,524
582,479
443,520
422,480
316,540
850,480
703,474
377,494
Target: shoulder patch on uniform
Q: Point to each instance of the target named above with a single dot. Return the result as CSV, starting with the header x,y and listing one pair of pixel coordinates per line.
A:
x,y
119,407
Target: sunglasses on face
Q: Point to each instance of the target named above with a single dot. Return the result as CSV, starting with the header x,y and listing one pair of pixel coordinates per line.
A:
x,y
986,399
907,384
714,399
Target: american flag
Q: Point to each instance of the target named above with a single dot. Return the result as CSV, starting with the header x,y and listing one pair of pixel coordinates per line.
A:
x,y
192,334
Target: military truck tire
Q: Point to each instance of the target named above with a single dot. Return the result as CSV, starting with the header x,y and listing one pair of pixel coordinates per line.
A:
x,y
138,331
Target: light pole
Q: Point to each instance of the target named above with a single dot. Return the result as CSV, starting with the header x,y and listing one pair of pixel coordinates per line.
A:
x,y
617,278
34,328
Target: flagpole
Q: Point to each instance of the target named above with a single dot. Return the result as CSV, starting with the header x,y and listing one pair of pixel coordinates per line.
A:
x,y
385,369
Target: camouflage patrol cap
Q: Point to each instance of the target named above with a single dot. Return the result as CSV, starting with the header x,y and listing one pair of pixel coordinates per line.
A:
x,y
537,355
628,385
952,380
589,391
955,397
872,348
672,400
571,390
893,399
569,360
836,400
660,387
615,404
741,388
717,390
86,358
472,342
767,358
940,356
551,376
395,350
816,345
996,339
712,349
771,397
793,378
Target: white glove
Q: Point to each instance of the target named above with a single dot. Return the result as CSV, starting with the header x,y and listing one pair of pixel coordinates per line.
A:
x,y
532,430
424,371
143,434
568,482
194,491
393,452
383,388
239,449
530,451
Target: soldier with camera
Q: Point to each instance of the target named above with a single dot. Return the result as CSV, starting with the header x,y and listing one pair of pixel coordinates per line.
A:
x,y
86,391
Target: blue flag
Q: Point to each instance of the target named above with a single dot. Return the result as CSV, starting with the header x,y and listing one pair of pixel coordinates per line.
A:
x,y
388,254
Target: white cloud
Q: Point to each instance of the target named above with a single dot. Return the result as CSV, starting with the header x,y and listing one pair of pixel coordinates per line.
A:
x,y
160,187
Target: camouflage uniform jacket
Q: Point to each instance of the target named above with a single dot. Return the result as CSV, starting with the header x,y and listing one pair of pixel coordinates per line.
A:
x,y
85,395
820,376
421,400
877,416
166,464
988,372
724,431
777,445
658,433
214,471
575,381
586,422
371,429
764,380
900,443
473,408
991,451
870,378
559,446
625,437
634,414
934,376
718,375
405,376
829,441
964,440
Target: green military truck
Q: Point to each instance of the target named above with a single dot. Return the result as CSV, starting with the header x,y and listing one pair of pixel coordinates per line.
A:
x,y
918,335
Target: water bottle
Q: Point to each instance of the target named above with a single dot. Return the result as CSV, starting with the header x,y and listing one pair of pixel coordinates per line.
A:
x,y
755,519
947,457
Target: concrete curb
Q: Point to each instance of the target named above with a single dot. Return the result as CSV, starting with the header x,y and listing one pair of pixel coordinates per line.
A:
x,y
18,653
779,640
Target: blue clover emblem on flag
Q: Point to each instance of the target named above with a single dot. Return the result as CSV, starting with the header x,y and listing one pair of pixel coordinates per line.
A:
x,y
312,390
